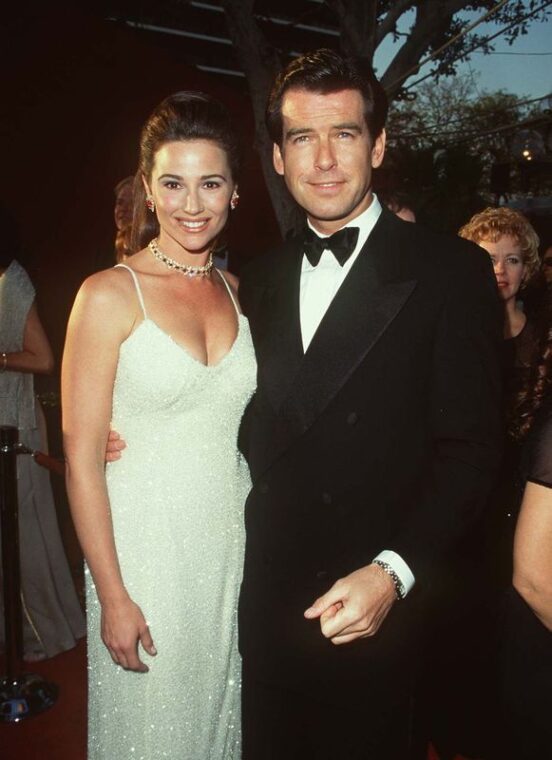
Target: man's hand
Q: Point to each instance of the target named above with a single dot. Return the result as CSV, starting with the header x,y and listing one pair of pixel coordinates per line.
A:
x,y
355,606
115,445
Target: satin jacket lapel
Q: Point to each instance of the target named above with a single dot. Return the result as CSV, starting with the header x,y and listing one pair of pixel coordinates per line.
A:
x,y
280,352
364,307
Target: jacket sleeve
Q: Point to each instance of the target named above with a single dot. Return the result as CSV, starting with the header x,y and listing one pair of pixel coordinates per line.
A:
x,y
465,413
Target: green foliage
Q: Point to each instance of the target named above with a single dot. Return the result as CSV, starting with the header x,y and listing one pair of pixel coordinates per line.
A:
x,y
442,147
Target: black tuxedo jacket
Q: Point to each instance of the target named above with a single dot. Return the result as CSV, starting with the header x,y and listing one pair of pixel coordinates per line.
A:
x,y
383,435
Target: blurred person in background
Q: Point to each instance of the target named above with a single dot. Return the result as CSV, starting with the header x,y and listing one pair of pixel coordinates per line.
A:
x,y
399,203
526,626
123,211
52,617
512,245
547,265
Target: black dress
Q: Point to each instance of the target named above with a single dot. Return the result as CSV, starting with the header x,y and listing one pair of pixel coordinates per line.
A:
x,y
526,645
505,500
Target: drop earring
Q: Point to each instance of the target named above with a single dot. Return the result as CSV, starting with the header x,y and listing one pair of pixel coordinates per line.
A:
x,y
234,200
150,203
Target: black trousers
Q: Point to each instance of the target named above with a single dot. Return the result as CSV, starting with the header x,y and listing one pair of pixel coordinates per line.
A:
x,y
281,724
525,667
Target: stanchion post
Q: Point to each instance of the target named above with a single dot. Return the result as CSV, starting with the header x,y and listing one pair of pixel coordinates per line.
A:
x,y
10,547
22,695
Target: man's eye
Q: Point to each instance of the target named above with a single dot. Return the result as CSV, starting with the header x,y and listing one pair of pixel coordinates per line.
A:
x,y
343,134
301,139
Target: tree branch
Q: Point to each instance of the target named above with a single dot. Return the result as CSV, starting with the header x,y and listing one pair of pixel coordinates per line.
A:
x,y
387,24
430,23
260,63
357,22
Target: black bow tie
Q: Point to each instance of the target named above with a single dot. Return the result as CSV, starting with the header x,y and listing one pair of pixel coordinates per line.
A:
x,y
342,243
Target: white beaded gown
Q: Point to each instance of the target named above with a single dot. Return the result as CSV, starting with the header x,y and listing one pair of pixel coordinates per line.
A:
x,y
177,498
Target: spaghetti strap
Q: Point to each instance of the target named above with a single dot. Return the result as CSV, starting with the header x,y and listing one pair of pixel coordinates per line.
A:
x,y
229,289
137,285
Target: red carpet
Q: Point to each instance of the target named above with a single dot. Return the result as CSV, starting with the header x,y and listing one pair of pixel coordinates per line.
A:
x,y
58,733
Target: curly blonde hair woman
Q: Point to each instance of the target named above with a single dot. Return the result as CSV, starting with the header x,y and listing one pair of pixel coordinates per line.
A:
x,y
512,244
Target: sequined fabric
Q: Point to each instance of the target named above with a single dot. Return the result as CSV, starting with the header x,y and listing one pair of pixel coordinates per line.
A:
x,y
177,499
17,399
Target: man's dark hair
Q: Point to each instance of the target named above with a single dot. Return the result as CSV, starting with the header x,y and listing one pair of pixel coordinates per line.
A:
x,y
326,71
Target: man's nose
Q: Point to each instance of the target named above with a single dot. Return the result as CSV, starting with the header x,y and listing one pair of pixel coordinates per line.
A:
x,y
325,157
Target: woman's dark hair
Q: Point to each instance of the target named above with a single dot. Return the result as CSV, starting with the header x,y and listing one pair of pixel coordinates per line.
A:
x,y
538,381
186,115
326,71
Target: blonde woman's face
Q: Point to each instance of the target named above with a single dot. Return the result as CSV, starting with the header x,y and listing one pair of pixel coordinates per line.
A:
x,y
508,265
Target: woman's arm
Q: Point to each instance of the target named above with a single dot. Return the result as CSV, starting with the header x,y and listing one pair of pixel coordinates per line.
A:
x,y
36,355
533,551
101,319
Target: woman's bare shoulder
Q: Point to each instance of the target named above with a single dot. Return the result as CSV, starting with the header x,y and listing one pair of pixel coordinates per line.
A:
x,y
108,289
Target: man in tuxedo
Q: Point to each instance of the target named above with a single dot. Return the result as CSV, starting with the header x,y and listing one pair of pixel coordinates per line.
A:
x,y
372,437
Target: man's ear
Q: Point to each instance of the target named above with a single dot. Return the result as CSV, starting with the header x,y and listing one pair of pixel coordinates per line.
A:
x,y
378,150
277,159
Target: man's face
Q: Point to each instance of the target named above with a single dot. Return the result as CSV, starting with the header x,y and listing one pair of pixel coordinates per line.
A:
x,y
327,155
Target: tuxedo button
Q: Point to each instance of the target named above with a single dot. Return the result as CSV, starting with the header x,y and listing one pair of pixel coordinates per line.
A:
x,y
326,498
352,418
322,575
263,487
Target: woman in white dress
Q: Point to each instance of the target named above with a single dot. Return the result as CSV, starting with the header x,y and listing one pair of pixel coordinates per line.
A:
x,y
160,350
51,613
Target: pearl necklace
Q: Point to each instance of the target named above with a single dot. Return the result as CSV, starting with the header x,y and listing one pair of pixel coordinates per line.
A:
x,y
187,269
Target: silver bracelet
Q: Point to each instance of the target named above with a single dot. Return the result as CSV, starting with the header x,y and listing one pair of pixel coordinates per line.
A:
x,y
4,361
400,591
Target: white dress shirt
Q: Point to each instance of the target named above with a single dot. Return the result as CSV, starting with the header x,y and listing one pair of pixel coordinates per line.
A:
x,y
318,287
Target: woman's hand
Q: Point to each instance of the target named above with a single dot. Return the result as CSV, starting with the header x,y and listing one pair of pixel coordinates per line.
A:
x,y
123,626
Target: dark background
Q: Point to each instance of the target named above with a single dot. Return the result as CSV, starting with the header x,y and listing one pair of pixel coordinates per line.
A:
x,y
76,91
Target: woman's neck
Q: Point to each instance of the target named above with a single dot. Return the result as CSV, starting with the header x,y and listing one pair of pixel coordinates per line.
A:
x,y
514,319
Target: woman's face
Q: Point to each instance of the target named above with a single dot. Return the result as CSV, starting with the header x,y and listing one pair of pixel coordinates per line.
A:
x,y
508,265
191,185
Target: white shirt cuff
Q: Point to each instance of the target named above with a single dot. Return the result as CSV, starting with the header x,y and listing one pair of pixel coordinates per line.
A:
x,y
397,563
